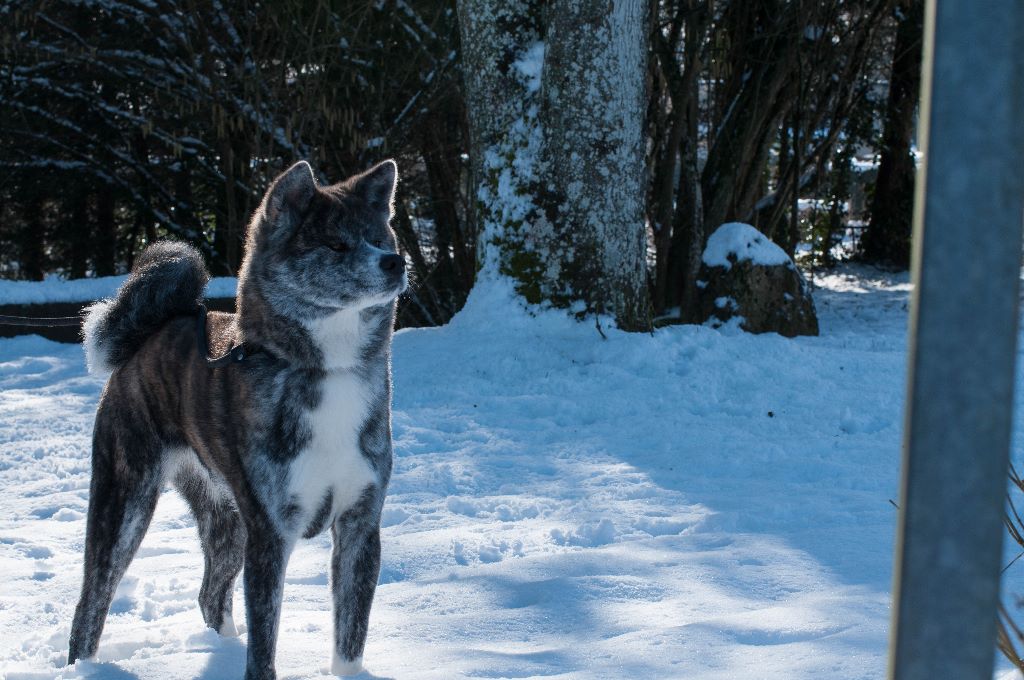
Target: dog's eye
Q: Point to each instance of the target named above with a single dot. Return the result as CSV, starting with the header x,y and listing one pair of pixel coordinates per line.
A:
x,y
339,247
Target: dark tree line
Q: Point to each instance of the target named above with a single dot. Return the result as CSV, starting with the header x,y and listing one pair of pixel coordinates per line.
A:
x,y
123,121
892,208
754,106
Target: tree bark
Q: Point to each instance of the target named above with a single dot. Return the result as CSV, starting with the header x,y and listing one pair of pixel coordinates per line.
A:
x,y
677,269
887,239
689,232
557,155
594,105
494,34
670,124
766,39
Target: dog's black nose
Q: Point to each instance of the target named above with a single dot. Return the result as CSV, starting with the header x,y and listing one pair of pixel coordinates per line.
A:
x,y
392,263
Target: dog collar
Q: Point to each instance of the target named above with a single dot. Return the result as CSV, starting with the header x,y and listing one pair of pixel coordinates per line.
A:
x,y
235,355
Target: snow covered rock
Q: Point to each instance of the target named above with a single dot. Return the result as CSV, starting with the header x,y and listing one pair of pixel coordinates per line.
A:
x,y
745,276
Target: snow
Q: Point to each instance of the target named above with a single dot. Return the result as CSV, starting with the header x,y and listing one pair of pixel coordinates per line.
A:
x,y
686,504
531,66
509,201
57,289
743,242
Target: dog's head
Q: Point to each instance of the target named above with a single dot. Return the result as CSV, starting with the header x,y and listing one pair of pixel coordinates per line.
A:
x,y
315,250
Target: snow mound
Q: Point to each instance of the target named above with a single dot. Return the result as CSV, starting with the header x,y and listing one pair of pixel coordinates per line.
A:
x,y
744,243
56,289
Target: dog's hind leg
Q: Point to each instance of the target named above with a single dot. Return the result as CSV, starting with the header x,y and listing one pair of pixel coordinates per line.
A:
x,y
355,567
222,536
126,479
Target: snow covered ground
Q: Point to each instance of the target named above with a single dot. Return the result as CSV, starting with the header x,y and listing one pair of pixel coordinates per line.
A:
x,y
56,289
693,504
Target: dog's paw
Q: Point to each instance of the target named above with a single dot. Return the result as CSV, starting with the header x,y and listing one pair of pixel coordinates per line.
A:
x,y
345,668
228,627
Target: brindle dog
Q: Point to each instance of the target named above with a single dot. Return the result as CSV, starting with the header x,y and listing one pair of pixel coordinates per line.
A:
x,y
294,438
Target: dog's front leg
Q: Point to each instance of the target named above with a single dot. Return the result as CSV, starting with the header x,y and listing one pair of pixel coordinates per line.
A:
x,y
266,556
355,566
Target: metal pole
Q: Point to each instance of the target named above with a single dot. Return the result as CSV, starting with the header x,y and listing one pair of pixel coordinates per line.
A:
x,y
963,331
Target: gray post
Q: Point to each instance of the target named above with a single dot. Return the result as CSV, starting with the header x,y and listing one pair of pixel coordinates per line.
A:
x,y
963,331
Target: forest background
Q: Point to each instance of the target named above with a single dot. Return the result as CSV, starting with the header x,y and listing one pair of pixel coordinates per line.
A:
x,y
126,121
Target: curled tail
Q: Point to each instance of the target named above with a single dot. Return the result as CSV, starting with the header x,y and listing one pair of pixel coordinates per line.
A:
x,y
167,281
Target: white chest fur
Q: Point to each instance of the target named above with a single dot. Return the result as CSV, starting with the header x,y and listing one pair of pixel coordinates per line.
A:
x,y
340,337
333,462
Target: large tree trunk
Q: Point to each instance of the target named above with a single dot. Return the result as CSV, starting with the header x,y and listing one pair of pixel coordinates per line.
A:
x,y
663,197
594,105
887,239
557,154
689,232
667,118
494,34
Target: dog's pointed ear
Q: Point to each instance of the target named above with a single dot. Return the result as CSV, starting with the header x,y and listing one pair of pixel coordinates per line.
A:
x,y
377,185
290,193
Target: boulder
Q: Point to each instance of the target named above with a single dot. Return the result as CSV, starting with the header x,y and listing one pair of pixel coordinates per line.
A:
x,y
744,276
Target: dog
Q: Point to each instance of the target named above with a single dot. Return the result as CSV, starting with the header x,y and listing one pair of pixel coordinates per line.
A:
x,y
288,436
